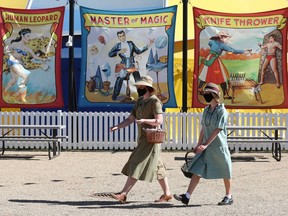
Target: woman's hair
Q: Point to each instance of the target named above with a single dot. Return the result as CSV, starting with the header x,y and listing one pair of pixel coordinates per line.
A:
x,y
150,89
215,38
20,33
220,37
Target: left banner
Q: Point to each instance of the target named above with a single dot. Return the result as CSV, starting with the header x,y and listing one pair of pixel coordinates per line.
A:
x,y
118,47
31,42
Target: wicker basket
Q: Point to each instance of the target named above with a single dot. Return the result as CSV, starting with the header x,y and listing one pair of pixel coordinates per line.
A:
x,y
155,136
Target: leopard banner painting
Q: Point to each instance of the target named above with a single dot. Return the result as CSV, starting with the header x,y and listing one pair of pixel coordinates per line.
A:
x,y
31,51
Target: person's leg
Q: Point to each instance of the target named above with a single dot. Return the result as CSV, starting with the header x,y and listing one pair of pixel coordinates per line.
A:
x,y
117,87
166,190
22,85
225,91
12,81
163,181
122,196
22,92
264,66
227,184
136,76
165,186
273,65
227,200
20,71
184,198
193,183
130,182
200,86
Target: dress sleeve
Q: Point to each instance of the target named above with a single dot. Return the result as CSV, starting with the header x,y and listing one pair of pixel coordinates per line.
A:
x,y
222,118
133,111
230,49
204,114
157,107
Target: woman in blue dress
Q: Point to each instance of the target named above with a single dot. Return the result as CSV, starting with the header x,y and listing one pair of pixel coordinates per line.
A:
x,y
212,159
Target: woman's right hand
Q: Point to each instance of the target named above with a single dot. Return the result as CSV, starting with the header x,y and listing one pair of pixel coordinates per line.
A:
x,y
113,128
140,121
200,149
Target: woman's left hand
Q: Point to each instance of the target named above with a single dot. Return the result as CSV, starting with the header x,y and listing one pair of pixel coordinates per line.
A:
x,y
200,149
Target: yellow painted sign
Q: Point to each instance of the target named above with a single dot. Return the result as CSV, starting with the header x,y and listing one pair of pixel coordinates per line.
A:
x,y
114,21
31,18
225,6
240,22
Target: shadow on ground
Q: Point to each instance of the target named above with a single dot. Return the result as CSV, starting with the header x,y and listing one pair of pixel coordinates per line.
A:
x,y
103,204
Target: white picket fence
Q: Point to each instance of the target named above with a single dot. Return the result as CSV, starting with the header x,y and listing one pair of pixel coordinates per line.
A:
x,y
90,130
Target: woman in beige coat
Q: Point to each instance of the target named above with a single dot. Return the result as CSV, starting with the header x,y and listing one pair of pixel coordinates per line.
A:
x,y
145,162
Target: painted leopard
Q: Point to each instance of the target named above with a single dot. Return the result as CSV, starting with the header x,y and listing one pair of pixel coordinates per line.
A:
x,y
40,46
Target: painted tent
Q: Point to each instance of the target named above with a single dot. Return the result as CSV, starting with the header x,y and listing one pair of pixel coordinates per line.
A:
x,y
225,6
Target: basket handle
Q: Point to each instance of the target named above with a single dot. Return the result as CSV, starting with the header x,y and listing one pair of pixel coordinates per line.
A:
x,y
186,155
157,127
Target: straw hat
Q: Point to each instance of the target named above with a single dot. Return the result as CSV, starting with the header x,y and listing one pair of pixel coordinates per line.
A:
x,y
213,88
145,81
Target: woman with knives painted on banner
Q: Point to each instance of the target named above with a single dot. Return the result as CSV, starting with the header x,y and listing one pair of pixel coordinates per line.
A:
x,y
212,68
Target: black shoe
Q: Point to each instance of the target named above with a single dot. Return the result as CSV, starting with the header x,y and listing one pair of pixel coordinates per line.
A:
x,y
182,198
227,97
114,97
226,201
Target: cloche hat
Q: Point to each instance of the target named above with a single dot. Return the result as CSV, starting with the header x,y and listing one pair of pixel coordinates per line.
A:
x,y
145,81
212,87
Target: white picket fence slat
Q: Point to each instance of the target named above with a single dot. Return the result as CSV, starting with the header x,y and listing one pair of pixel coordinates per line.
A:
x,y
90,130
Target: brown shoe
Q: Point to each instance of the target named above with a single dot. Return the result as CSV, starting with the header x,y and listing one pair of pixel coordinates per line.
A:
x,y
164,198
120,197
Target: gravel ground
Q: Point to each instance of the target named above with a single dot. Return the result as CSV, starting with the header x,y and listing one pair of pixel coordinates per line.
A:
x,y
30,184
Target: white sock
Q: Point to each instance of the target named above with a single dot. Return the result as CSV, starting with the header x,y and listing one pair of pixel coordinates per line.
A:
x,y
229,196
187,195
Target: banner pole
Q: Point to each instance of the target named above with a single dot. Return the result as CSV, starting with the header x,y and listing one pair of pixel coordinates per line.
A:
x,y
72,90
184,56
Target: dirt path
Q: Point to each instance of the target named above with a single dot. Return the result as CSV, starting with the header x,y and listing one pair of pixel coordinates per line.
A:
x,y
30,184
